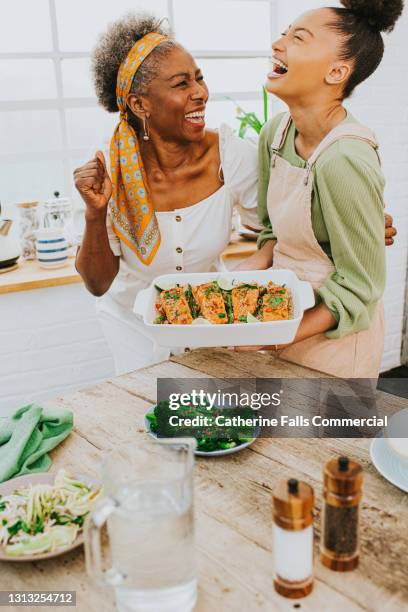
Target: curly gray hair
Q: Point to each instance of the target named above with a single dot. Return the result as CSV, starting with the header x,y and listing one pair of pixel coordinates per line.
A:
x,y
114,45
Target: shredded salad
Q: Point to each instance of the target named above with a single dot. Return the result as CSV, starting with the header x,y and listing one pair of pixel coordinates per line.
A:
x,y
44,517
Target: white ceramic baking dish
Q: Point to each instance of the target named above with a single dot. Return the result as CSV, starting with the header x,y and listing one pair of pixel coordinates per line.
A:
x,y
234,334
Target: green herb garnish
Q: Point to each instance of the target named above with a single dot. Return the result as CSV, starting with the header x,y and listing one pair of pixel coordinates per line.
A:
x,y
61,519
159,319
15,528
275,301
171,296
214,288
39,527
26,528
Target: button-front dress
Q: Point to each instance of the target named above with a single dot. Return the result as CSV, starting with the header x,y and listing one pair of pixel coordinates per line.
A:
x,y
192,239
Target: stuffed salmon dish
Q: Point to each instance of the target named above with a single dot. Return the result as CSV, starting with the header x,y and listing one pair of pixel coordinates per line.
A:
x,y
223,303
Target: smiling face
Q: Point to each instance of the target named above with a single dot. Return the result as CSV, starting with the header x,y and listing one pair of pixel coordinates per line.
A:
x,y
175,100
305,59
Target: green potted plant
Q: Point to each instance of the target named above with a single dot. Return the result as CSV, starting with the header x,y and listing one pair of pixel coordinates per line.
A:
x,y
251,120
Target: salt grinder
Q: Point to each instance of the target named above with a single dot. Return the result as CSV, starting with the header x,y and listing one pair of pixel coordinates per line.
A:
x,y
293,538
339,547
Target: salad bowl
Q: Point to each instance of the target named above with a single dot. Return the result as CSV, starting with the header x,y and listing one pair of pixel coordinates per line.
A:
x,y
22,482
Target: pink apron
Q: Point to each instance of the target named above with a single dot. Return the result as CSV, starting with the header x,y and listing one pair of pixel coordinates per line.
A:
x,y
290,193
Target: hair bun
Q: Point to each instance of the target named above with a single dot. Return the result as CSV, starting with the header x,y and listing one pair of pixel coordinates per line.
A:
x,y
381,15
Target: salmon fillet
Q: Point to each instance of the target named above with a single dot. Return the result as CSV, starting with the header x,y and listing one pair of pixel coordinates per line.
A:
x,y
276,303
174,303
209,298
244,301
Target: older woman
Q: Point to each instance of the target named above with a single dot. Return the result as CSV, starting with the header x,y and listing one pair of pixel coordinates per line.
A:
x,y
174,184
321,185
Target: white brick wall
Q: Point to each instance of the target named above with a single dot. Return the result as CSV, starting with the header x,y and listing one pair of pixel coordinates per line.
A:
x,y
382,104
50,343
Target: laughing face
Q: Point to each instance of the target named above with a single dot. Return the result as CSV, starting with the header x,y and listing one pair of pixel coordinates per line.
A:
x,y
176,99
305,59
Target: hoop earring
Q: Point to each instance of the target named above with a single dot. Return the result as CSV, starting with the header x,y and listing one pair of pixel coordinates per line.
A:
x,y
146,135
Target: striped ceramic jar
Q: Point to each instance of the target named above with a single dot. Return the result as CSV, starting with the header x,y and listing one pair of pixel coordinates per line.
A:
x,y
52,248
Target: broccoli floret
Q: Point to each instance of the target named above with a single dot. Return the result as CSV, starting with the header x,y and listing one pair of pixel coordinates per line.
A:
x,y
225,445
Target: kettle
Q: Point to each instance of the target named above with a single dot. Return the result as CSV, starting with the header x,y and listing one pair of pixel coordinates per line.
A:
x,y
9,246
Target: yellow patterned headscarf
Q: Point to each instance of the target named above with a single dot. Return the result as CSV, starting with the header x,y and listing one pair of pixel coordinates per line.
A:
x,y
133,216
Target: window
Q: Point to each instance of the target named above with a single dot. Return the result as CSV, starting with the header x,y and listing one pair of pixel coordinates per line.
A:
x,y
49,117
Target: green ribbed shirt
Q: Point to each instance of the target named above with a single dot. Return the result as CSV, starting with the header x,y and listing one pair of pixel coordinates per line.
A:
x,y
347,218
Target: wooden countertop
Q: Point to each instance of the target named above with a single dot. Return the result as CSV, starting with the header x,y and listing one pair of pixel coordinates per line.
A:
x,y
239,247
233,496
29,275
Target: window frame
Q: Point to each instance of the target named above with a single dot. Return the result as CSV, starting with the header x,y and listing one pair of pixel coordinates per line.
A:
x,y
61,103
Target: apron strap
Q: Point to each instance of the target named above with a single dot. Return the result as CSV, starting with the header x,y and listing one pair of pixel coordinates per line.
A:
x,y
280,134
345,130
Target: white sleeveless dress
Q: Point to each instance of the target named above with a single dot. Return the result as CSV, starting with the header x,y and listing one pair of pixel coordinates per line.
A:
x,y
192,240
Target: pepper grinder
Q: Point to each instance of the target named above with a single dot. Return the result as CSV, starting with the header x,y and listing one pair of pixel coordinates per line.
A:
x,y
339,547
293,538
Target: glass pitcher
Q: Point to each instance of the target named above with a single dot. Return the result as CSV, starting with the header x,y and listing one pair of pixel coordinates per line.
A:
x,y
148,509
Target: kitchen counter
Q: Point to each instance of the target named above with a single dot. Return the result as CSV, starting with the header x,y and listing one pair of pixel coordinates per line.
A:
x,y
233,500
29,275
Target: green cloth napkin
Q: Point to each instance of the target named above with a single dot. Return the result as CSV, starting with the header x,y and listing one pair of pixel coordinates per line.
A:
x,y
27,436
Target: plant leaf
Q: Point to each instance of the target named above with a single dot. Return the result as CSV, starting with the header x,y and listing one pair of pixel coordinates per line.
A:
x,y
265,103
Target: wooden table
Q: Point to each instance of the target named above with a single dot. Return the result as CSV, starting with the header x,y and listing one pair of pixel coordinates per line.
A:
x,y
233,502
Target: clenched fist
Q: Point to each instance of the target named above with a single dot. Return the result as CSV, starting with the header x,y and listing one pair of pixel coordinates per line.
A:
x,y
93,183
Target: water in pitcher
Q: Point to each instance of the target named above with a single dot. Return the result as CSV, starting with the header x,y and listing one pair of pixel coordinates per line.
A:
x,y
152,547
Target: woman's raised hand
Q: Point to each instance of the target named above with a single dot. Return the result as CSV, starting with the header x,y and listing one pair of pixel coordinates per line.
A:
x,y
93,183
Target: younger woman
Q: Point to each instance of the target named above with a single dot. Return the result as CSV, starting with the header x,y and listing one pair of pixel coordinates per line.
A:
x,y
321,185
